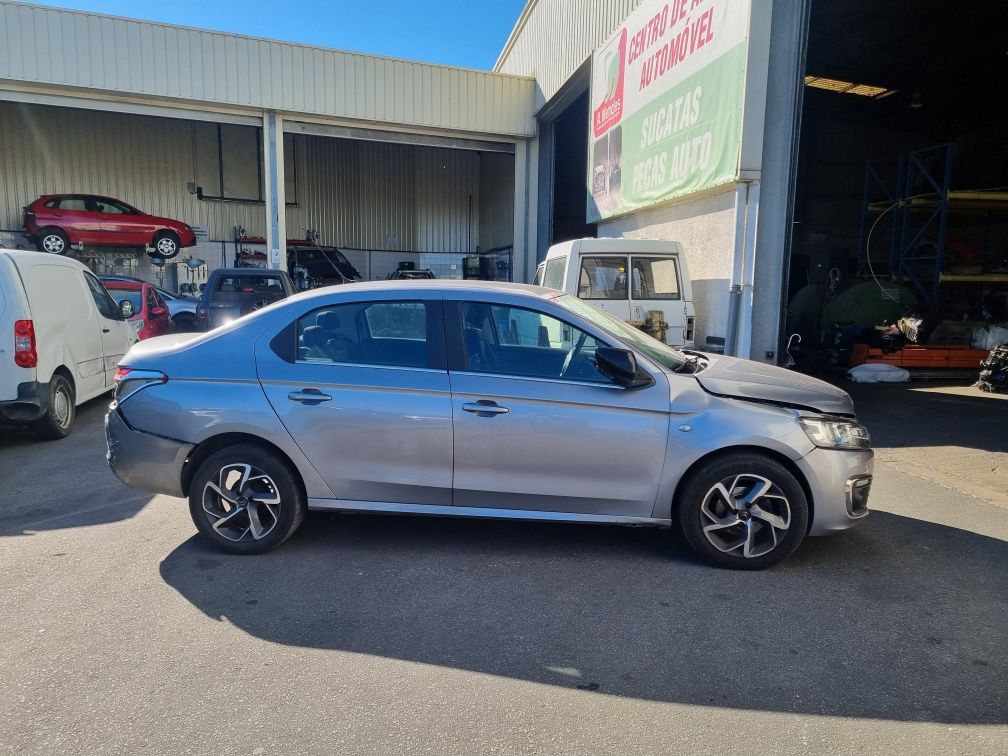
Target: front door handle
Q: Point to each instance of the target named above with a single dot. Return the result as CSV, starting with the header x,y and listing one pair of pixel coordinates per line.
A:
x,y
484,407
309,396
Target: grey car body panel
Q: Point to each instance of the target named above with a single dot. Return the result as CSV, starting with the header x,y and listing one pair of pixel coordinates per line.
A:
x,y
746,379
144,460
621,462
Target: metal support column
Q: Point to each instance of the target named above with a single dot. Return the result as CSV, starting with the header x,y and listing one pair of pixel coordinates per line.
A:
x,y
276,203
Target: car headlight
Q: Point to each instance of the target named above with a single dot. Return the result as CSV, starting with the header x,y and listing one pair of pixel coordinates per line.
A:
x,y
835,433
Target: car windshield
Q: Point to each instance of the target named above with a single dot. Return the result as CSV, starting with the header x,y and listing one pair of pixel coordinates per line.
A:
x,y
661,353
133,295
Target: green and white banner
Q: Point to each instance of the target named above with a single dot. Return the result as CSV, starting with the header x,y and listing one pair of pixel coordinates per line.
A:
x,y
666,104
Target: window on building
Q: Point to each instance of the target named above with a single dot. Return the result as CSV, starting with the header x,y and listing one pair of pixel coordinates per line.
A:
x,y
229,163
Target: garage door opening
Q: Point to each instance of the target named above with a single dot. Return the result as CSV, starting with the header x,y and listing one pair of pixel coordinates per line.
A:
x,y
901,206
570,167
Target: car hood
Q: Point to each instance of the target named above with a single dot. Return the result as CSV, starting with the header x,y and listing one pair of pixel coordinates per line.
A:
x,y
755,381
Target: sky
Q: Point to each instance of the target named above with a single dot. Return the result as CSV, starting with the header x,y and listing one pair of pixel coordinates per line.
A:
x,y
468,33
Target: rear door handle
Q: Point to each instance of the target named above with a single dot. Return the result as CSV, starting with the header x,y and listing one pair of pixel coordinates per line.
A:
x,y
484,407
106,330
309,396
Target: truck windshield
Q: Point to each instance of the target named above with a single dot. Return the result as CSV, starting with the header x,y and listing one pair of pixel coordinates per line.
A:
x,y
661,353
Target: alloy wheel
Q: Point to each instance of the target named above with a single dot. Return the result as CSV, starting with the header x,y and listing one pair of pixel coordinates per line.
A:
x,y
746,514
53,243
166,246
243,504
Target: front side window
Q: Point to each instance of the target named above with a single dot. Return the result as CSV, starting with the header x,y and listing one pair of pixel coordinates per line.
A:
x,y
102,299
603,278
151,300
366,333
508,340
111,207
655,278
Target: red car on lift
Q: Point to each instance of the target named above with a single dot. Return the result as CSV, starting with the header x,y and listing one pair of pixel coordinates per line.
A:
x,y
55,222
150,313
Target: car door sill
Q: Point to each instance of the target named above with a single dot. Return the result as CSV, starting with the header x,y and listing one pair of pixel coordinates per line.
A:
x,y
344,505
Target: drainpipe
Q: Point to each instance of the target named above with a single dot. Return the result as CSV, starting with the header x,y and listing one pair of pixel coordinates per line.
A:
x,y
744,344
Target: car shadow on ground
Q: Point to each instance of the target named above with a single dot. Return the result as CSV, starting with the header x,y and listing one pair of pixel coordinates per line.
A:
x,y
47,485
869,623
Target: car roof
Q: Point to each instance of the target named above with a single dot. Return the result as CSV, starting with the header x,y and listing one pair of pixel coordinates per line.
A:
x,y
31,257
434,284
119,284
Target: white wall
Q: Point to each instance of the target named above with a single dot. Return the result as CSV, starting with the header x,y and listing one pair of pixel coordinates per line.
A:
x,y
706,230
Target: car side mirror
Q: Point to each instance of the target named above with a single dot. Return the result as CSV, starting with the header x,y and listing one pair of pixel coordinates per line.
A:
x,y
126,309
620,366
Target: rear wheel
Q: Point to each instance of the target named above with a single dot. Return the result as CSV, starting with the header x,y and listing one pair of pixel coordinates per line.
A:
x,y
167,244
59,417
184,323
744,511
246,501
53,241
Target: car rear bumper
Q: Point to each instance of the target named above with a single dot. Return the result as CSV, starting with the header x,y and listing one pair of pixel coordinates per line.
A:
x,y
840,482
30,405
143,460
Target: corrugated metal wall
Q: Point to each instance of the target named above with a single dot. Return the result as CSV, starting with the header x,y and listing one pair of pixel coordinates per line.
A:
x,y
557,36
368,195
66,48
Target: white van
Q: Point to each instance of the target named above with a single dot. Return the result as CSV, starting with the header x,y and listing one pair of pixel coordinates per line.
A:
x,y
61,337
598,271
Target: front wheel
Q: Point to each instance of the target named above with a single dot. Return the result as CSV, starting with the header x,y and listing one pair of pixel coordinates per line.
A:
x,y
743,511
167,244
58,420
246,501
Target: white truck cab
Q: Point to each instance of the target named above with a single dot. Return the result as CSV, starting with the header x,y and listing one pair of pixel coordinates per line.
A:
x,y
61,338
632,279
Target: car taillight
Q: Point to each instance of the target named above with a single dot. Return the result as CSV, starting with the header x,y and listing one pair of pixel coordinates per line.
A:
x,y
128,381
25,354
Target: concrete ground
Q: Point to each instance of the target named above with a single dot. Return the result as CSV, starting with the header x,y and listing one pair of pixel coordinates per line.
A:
x,y
122,632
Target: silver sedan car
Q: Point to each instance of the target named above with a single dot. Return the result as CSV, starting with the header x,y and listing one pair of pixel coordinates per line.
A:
x,y
488,400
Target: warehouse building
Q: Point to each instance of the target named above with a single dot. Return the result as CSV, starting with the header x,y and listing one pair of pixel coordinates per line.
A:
x,y
787,145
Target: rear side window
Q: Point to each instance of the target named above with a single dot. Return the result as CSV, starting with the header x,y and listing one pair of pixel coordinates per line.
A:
x,y
554,273
655,278
393,334
71,203
603,278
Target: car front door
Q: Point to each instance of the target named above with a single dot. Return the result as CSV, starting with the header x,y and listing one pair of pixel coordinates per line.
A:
x,y
117,336
537,427
120,226
362,387
157,311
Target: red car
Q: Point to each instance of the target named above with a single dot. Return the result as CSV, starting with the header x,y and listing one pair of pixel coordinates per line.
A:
x,y
150,313
57,221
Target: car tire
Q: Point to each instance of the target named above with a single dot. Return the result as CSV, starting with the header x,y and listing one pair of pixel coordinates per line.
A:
x,y
52,240
240,489
58,420
166,244
258,303
743,511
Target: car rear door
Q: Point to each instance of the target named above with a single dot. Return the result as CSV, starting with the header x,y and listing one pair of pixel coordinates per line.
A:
x,y
535,430
362,387
655,285
75,215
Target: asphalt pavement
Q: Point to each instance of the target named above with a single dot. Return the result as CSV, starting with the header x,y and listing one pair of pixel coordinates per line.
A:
x,y
122,632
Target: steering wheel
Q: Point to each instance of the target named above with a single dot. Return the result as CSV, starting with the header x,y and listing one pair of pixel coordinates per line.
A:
x,y
573,354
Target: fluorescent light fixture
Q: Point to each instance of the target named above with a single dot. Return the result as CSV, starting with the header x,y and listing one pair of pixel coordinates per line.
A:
x,y
847,87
